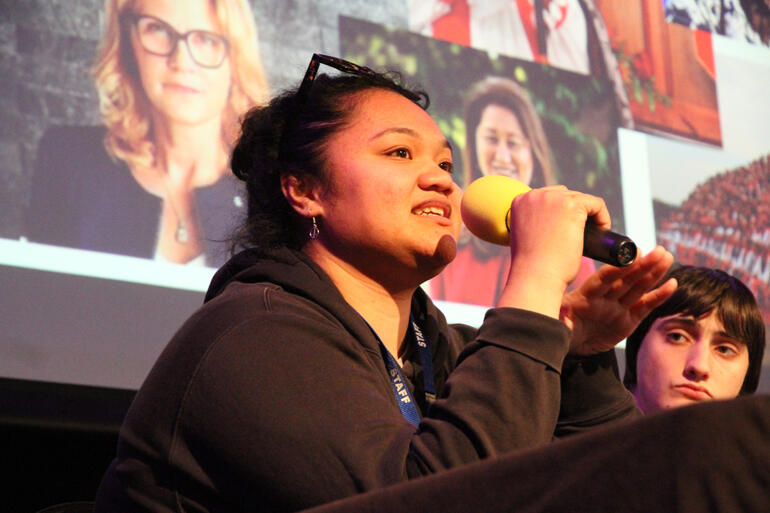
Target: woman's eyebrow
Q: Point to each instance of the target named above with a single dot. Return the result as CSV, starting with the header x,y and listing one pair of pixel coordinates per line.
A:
x,y
407,131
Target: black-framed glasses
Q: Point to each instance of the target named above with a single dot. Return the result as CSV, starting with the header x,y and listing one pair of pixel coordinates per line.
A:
x,y
207,49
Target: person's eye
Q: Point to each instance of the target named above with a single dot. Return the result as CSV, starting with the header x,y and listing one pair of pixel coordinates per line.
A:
x,y
401,153
203,39
676,337
155,27
726,350
446,166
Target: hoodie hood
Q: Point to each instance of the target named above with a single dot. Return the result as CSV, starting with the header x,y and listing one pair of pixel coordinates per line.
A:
x,y
290,269
296,273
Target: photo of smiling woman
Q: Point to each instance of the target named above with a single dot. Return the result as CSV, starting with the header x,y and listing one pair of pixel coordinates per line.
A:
x,y
173,78
504,136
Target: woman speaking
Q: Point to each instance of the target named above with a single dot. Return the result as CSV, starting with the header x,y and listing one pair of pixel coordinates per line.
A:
x,y
318,368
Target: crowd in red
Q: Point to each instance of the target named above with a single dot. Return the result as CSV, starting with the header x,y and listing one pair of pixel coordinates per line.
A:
x,y
725,223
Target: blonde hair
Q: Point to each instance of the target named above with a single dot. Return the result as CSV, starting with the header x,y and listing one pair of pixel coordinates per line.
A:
x,y
123,103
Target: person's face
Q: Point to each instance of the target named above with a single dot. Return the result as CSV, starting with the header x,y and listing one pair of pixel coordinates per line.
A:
x,y
683,360
391,209
502,148
178,88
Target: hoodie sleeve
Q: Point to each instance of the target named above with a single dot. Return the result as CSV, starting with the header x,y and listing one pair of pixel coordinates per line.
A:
x,y
592,394
503,394
591,391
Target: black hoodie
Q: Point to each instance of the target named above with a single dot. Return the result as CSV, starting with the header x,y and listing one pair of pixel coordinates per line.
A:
x,y
274,396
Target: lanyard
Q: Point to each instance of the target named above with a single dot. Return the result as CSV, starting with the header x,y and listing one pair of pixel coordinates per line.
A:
x,y
403,396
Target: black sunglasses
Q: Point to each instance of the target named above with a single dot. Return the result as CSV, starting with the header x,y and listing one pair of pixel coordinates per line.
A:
x,y
334,62
345,67
310,74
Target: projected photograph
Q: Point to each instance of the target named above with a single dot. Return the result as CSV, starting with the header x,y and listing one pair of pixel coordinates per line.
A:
x,y
569,34
143,170
663,74
526,120
743,20
712,206
667,69
724,222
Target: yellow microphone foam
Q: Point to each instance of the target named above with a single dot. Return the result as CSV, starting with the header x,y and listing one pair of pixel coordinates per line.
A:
x,y
486,207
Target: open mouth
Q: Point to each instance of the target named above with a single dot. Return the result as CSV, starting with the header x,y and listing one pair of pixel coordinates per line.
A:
x,y
431,211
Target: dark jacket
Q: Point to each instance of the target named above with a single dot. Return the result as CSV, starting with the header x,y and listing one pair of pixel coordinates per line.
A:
x,y
274,397
82,198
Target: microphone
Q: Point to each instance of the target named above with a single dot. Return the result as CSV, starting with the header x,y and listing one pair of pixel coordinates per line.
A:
x,y
486,211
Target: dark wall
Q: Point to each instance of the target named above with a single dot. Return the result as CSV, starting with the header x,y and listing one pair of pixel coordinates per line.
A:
x,y
57,440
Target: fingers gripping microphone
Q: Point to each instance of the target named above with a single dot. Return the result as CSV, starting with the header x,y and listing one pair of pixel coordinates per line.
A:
x,y
486,211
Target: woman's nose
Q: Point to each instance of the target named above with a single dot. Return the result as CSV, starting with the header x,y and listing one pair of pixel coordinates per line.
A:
x,y
436,178
180,57
503,153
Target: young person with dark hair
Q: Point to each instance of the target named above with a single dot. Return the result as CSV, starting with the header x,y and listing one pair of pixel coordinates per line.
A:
x,y
318,369
705,342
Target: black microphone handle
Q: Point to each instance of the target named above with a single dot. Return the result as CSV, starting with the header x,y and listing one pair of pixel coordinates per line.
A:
x,y
607,246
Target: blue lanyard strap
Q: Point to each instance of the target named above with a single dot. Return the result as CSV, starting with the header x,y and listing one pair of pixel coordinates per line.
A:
x,y
426,359
403,396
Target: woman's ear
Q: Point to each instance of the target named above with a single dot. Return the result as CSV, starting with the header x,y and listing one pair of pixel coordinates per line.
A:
x,y
302,196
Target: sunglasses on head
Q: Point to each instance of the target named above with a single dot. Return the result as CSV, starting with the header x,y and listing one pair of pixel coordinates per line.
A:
x,y
334,62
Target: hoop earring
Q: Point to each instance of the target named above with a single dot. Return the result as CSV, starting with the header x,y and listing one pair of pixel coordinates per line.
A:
x,y
314,231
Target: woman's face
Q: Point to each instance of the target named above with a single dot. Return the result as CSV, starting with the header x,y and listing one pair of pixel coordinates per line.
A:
x,y
391,208
502,148
178,88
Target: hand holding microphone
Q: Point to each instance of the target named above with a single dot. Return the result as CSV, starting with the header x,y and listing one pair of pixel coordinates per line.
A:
x,y
486,211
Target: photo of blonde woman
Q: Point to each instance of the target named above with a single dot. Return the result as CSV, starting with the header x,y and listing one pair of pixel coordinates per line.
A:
x,y
173,79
